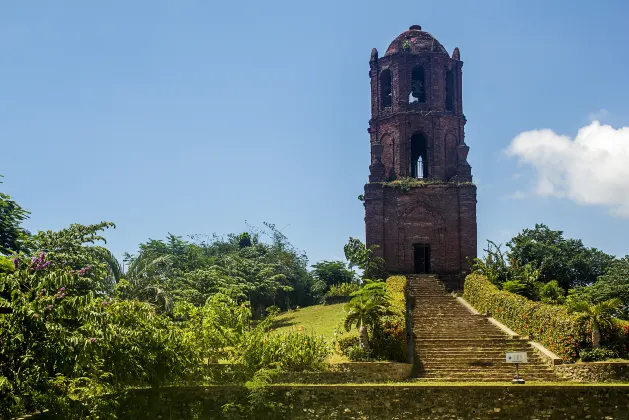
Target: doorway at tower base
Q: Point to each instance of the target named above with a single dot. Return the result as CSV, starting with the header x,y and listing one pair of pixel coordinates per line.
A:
x,y
429,228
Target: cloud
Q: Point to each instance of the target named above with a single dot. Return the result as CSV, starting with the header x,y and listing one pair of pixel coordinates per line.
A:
x,y
592,168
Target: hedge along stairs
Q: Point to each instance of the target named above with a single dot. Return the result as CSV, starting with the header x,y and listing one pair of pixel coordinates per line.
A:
x,y
452,344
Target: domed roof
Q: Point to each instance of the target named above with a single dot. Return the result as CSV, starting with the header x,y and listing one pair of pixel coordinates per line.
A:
x,y
415,41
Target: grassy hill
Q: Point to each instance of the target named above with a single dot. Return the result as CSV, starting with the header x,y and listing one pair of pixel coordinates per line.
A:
x,y
318,319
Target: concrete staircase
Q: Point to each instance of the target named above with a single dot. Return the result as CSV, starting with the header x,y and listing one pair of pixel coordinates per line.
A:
x,y
452,344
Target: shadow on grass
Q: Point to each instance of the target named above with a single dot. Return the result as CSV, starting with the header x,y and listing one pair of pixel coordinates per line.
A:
x,y
286,321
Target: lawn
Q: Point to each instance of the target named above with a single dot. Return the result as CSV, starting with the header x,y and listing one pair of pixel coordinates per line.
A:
x,y
318,319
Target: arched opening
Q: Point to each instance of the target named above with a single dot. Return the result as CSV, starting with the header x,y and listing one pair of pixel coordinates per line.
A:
x,y
449,91
419,156
386,89
418,86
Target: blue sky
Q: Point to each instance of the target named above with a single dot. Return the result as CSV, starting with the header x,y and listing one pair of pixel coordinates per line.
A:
x,y
196,116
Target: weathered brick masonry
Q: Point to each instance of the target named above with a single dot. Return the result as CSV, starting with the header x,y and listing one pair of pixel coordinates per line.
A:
x,y
417,130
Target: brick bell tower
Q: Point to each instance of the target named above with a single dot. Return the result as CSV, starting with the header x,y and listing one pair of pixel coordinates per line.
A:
x,y
420,202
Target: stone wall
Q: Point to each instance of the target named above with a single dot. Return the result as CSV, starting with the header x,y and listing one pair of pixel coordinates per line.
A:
x,y
383,402
608,372
355,372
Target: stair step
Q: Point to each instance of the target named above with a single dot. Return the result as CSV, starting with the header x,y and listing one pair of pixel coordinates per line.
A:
x,y
453,344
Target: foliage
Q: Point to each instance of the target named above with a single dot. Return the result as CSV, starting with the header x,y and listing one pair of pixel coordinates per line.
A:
x,y
380,309
6,265
613,284
62,340
389,335
216,327
360,256
74,249
597,315
166,272
553,326
566,260
345,342
551,292
359,354
407,183
343,289
294,351
12,235
597,355
333,273
494,266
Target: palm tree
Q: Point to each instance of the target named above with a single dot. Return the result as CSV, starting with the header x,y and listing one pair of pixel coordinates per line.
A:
x,y
599,314
365,309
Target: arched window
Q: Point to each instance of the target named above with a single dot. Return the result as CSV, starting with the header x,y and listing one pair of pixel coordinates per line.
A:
x,y
418,86
419,161
386,89
449,91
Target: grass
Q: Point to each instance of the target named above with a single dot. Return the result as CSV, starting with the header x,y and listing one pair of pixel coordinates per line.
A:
x,y
318,320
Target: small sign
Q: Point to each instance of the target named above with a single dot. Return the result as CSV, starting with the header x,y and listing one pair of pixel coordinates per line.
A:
x,y
519,357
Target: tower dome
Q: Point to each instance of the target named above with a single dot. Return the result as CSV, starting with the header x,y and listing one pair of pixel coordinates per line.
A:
x,y
415,41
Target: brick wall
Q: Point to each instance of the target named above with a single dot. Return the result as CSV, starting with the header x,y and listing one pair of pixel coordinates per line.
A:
x,y
441,215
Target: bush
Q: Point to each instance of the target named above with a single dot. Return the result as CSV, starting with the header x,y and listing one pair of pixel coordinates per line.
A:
x,y
551,292
358,354
597,355
292,352
344,343
343,289
551,325
388,339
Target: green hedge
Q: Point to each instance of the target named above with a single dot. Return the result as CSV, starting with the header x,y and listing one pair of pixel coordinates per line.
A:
x,y
389,339
550,325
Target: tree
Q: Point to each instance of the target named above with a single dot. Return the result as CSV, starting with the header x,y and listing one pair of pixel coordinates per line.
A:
x,y
599,314
367,306
566,260
12,235
364,258
613,284
551,292
333,272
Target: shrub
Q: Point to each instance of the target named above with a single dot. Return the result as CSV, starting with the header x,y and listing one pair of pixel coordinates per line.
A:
x,y
389,336
343,289
359,354
597,355
551,292
344,343
294,352
551,325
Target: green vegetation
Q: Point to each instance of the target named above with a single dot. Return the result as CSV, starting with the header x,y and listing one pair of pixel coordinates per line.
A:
x,y
358,255
565,334
597,316
79,327
543,266
377,311
11,233
318,320
406,183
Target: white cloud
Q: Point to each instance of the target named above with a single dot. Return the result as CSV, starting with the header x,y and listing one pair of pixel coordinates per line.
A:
x,y
592,168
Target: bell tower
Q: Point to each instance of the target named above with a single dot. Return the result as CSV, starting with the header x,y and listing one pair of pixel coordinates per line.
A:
x,y
420,202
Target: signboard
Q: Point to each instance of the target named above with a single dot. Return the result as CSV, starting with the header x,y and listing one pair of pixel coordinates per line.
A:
x,y
518,357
